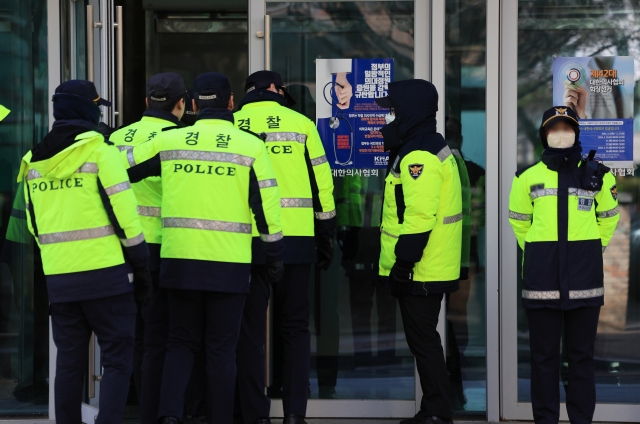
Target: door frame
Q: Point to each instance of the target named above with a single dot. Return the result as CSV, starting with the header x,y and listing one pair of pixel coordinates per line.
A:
x,y
512,409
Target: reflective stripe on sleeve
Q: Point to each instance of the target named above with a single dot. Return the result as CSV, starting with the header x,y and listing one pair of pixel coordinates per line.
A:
x,y
286,136
395,174
207,224
207,156
134,241
132,161
33,174
452,219
296,202
543,192
76,235
555,294
444,153
608,214
115,189
586,294
267,183
270,238
388,234
88,168
520,216
319,161
149,211
123,148
325,215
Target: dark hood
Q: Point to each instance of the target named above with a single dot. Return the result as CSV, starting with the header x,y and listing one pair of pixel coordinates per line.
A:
x,y
415,103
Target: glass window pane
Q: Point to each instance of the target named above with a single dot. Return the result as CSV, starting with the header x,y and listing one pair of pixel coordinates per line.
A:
x,y
24,319
579,28
358,345
465,115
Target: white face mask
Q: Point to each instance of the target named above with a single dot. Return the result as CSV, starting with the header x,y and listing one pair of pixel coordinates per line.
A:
x,y
561,139
389,118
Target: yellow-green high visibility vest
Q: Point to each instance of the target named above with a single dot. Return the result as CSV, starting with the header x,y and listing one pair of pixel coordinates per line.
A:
x,y
423,195
148,191
63,199
301,169
214,178
563,230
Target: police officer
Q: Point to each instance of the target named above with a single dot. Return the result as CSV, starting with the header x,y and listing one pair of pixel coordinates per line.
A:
x,y
308,220
213,177
563,210
165,101
421,232
81,211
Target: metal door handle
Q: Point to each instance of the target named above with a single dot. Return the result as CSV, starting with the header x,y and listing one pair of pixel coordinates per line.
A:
x,y
91,24
267,42
119,25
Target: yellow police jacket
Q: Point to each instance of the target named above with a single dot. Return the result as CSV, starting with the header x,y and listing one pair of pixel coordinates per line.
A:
x,y
148,191
423,203
214,177
562,230
81,211
302,171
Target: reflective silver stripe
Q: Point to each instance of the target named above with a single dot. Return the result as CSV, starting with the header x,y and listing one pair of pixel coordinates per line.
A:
x,y
319,161
555,295
132,241
149,211
132,161
444,153
325,215
267,183
296,202
452,219
582,193
456,153
608,214
114,189
387,234
286,136
541,295
271,237
76,235
33,174
88,168
520,216
395,174
543,192
586,294
123,148
207,156
206,224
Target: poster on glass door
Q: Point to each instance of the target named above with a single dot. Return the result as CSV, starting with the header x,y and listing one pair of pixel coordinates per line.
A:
x,y
348,118
600,91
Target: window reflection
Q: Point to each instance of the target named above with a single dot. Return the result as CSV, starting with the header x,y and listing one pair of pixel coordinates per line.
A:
x,y
585,28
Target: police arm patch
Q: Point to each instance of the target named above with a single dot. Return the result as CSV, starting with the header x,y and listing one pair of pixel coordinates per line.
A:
x,y
415,170
614,192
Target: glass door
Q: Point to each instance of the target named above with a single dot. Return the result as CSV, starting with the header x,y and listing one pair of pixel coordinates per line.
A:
x,y
361,365
534,34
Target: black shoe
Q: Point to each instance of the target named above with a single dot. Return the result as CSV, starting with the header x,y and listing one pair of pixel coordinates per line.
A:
x,y
436,420
421,415
294,419
169,420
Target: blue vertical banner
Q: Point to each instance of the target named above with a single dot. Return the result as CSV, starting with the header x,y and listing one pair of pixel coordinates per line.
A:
x,y
348,118
600,91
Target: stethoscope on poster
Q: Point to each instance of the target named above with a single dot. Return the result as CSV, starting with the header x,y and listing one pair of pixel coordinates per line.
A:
x,y
334,123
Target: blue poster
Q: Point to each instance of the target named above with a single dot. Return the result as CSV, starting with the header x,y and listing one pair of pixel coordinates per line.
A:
x,y
600,91
348,118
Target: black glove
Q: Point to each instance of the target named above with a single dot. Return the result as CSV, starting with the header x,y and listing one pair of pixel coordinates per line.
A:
x,y
142,286
324,250
402,272
275,270
348,243
464,273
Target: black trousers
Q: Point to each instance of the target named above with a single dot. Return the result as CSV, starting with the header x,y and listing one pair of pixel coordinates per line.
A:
x,y
113,320
291,305
155,315
545,330
195,315
420,319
